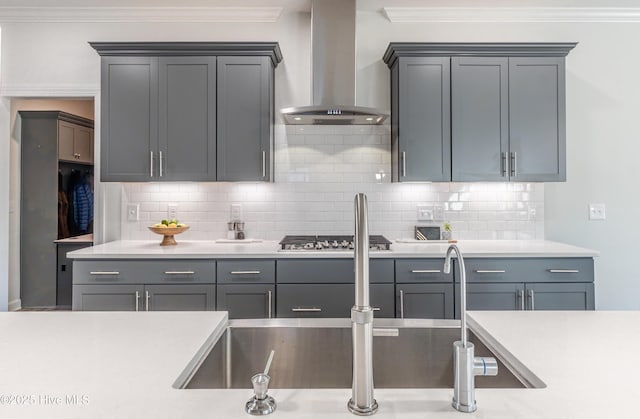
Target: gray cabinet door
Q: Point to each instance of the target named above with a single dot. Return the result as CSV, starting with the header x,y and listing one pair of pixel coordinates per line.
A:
x,y
64,276
83,144
129,107
426,301
422,125
187,117
179,297
492,297
107,297
537,119
250,301
571,296
479,118
65,141
244,118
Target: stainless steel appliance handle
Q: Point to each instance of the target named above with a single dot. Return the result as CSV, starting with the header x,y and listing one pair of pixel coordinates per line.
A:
x,y
401,304
306,310
426,271
521,298
151,164
532,298
489,271
264,163
376,308
245,272
505,169
564,271
160,154
137,300
269,300
146,300
514,160
179,273
104,273
404,163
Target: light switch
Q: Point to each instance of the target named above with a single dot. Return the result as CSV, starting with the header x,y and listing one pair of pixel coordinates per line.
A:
x,y
133,212
597,212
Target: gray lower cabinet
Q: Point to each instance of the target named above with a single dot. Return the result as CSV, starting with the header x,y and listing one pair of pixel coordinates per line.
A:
x,y
427,301
330,300
570,296
64,276
247,301
180,297
111,297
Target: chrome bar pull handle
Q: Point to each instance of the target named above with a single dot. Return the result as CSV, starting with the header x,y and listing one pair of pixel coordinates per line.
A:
x,y
137,300
505,169
306,310
104,273
532,298
489,271
269,302
521,298
376,308
160,156
179,273
426,271
514,160
245,272
404,164
151,164
264,164
401,304
564,271
146,300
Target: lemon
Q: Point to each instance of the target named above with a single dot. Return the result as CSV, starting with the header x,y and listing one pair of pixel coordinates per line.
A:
x,y
173,225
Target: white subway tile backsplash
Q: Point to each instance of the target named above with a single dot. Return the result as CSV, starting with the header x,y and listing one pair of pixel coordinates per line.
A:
x,y
318,170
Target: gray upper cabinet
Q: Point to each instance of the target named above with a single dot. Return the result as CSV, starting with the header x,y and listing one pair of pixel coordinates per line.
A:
x,y
479,98
187,118
245,112
129,107
75,143
187,111
537,119
420,119
506,104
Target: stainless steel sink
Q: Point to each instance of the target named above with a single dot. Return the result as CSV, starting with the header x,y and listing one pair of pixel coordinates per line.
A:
x,y
316,353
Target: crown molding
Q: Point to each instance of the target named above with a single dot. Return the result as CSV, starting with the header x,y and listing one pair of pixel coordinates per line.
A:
x,y
138,14
513,14
50,90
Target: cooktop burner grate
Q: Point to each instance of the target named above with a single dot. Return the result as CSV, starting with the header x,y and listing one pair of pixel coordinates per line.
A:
x,y
331,242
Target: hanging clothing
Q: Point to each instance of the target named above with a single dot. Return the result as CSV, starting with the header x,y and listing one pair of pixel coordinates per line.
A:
x,y
82,205
63,213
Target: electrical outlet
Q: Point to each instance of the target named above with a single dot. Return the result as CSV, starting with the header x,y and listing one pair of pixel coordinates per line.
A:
x,y
438,212
172,211
597,212
425,213
133,212
236,212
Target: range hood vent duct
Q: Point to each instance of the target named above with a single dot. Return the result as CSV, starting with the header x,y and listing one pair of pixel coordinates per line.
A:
x,y
333,60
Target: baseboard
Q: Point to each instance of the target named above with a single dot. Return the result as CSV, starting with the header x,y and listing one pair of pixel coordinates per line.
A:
x,y
15,305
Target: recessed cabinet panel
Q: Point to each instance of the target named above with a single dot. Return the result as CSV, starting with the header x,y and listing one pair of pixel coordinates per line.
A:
x,y
83,144
423,118
479,115
187,297
492,297
424,301
129,118
578,296
536,119
65,141
110,297
247,301
187,106
244,118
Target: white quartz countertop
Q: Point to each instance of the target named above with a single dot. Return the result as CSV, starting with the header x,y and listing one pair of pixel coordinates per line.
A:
x,y
200,249
122,365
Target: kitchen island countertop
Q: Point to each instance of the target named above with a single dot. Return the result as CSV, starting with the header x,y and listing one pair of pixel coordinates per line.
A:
x,y
201,249
122,365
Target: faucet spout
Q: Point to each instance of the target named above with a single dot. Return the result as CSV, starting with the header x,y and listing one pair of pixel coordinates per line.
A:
x,y
463,289
362,402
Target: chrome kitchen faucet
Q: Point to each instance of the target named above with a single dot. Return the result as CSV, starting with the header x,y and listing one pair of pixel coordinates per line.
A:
x,y
465,365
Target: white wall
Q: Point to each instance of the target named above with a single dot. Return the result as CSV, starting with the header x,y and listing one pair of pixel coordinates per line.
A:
x,y
602,99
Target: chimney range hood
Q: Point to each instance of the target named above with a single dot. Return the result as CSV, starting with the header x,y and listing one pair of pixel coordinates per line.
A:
x,y
333,62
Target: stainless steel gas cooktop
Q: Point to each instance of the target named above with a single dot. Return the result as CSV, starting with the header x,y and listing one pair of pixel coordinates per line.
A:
x,y
329,243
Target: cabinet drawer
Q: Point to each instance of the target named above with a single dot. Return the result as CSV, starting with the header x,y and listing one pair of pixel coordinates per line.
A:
x,y
330,300
144,272
333,271
421,270
528,270
246,271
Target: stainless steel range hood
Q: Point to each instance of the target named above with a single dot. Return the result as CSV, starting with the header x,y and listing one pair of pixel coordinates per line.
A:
x,y
333,63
